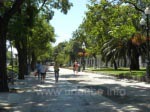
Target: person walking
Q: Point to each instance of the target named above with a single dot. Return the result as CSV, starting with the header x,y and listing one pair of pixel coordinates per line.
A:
x,y
56,71
43,71
38,67
75,67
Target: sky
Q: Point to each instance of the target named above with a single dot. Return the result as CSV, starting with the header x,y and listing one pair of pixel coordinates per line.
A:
x,y
64,25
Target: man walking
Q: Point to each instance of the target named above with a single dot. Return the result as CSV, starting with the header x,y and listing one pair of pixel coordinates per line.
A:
x,y
56,71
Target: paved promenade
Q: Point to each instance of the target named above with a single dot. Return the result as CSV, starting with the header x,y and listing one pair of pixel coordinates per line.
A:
x,y
85,92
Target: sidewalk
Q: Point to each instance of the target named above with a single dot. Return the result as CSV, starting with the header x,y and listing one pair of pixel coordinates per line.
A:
x,y
85,92
129,95
9,102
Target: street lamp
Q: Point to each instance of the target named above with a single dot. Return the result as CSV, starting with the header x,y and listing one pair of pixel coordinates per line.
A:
x,y
83,51
142,22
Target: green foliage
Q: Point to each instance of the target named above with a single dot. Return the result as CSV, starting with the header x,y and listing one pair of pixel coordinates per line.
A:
x,y
60,53
5,5
49,5
29,25
108,27
8,54
15,68
114,49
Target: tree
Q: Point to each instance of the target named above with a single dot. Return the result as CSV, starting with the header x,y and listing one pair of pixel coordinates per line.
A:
x,y
114,49
109,22
30,12
40,46
8,9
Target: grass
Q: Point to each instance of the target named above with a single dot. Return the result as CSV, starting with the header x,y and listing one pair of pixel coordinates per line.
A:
x,y
120,71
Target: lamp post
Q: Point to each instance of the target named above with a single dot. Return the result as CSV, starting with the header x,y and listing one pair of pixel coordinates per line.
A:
x,y
83,54
142,22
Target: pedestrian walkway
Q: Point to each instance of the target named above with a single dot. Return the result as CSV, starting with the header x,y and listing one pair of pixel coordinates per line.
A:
x,y
85,92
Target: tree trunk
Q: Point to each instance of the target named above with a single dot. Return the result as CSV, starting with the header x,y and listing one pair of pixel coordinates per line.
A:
x,y
4,20
22,58
94,55
106,62
133,56
134,63
22,64
3,71
33,62
125,61
115,65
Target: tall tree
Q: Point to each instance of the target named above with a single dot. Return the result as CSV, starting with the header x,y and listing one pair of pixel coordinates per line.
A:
x,y
110,21
8,9
40,46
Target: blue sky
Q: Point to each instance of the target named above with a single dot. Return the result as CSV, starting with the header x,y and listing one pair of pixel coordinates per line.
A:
x,y
64,25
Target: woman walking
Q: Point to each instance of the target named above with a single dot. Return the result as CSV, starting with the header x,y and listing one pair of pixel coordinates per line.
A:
x,y
43,71
75,67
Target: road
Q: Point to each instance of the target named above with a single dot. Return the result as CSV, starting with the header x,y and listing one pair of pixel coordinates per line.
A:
x,y
85,92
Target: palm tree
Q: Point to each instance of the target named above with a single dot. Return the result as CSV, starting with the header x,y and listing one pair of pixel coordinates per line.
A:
x,y
114,49
120,48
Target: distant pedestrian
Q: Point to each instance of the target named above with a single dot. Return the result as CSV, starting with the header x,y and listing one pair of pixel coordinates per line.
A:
x,y
38,67
75,67
43,71
56,71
